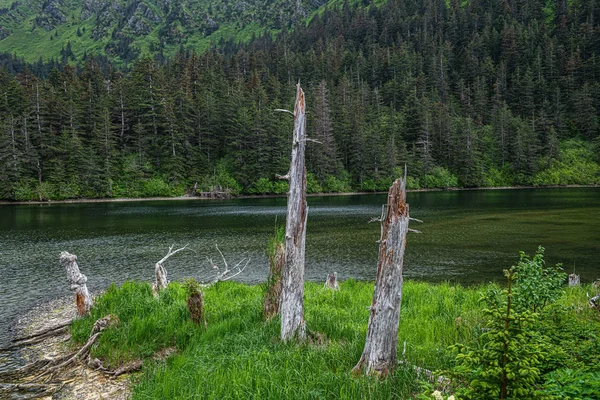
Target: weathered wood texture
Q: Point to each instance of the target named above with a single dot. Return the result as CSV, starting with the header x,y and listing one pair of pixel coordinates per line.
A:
x,y
331,282
77,281
291,307
161,273
273,295
574,280
380,352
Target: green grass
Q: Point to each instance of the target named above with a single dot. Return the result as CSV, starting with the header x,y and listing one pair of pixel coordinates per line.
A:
x,y
240,356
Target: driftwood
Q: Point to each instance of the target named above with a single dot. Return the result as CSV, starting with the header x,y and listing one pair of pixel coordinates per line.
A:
x,y
227,273
594,302
331,282
380,352
273,295
160,271
291,306
574,280
37,337
77,281
99,326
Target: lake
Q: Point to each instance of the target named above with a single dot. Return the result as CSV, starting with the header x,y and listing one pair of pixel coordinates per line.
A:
x,y
467,237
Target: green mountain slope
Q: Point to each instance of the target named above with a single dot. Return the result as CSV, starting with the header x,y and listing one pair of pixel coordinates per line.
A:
x,y
127,29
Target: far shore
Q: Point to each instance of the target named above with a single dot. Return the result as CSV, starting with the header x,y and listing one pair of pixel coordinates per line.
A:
x,y
266,196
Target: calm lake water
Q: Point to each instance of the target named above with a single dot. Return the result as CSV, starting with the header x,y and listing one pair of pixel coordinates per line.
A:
x,y
468,237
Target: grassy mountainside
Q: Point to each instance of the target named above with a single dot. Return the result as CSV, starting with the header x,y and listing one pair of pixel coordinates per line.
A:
x,y
127,29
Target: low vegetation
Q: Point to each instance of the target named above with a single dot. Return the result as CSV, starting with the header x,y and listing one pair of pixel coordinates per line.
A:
x,y
456,331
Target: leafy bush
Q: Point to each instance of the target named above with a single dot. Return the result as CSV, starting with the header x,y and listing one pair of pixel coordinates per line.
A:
x,y
312,184
266,186
536,285
572,384
156,187
333,184
24,190
498,177
440,178
576,166
45,191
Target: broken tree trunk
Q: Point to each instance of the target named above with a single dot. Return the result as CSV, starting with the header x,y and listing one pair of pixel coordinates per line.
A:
x,y
331,282
273,295
161,273
379,354
291,307
574,280
77,281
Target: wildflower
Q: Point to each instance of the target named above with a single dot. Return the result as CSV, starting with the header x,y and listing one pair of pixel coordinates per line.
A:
x,y
437,395
451,397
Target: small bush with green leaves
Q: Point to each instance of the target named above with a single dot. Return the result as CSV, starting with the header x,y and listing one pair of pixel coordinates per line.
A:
x,y
537,285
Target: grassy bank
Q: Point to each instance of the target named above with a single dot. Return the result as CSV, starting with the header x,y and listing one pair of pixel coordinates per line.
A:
x,y
239,355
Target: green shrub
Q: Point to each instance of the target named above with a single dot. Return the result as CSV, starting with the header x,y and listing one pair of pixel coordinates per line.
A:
x,y
156,187
312,184
45,191
24,190
333,184
536,285
498,177
440,178
572,384
576,166
261,186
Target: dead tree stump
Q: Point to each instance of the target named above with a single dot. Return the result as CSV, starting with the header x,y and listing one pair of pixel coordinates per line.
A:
x,y
379,354
331,282
291,307
77,280
273,295
574,280
195,305
161,273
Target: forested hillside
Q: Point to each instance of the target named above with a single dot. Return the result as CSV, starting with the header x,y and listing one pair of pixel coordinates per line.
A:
x,y
472,93
124,30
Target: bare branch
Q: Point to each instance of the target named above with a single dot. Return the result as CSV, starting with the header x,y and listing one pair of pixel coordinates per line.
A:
x,y
283,110
286,176
311,140
416,220
171,252
227,274
414,230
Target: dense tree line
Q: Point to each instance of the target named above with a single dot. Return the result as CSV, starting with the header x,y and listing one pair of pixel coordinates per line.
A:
x,y
477,93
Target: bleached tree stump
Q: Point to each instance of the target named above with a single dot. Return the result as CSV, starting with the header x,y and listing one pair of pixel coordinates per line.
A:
x,y
161,273
291,306
77,281
331,282
380,352
574,280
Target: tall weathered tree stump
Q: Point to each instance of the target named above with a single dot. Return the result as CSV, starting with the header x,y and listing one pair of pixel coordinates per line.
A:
x,y
331,282
77,281
291,307
379,354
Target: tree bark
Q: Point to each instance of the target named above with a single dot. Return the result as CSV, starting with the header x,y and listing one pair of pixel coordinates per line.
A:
x,y
292,291
574,280
331,282
379,354
77,281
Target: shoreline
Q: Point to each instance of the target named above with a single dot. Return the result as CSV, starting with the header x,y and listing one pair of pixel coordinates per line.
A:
x,y
269,196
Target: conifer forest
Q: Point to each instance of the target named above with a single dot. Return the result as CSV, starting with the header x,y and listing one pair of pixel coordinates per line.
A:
x,y
479,93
